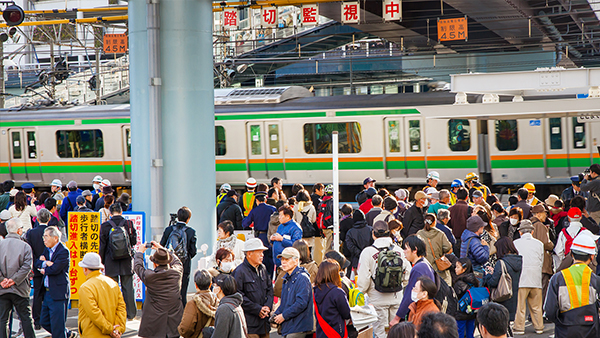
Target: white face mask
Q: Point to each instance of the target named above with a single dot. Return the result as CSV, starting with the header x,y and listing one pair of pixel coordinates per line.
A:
x,y
227,266
513,221
414,296
96,186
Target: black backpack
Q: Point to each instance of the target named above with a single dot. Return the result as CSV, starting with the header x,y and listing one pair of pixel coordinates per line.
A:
x,y
446,296
308,229
118,241
389,271
177,242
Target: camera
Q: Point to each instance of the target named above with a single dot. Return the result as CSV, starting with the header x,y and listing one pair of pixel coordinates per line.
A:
x,y
148,245
173,220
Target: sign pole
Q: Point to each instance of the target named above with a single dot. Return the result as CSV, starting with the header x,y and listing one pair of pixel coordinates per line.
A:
x,y
336,192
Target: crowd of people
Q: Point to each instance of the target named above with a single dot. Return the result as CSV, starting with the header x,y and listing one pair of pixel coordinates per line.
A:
x,y
440,264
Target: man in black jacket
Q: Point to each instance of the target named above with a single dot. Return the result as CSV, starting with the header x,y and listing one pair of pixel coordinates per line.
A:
x,y
358,238
414,217
229,210
119,269
255,285
184,214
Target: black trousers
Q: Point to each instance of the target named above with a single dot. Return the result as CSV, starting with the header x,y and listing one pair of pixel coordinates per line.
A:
x,y
128,293
38,298
185,281
21,304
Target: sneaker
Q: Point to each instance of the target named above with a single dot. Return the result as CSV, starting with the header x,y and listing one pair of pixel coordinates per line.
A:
x,y
38,327
73,334
517,332
539,331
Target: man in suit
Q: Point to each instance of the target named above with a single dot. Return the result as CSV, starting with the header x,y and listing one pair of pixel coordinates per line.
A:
x,y
54,265
34,238
184,214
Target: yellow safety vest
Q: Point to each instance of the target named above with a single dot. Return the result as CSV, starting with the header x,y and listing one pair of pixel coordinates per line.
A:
x,y
220,197
536,201
453,198
248,202
577,279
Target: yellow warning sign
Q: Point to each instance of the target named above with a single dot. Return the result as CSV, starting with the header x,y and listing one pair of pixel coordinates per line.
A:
x,y
452,29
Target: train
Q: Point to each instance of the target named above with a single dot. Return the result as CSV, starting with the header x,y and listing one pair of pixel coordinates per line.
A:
x,y
394,138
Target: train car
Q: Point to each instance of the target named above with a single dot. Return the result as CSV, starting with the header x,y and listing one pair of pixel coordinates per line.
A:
x,y
285,132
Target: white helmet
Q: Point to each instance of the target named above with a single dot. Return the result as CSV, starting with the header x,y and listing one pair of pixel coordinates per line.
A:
x,y
105,183
434,175
56,182
251,183
97,178
225,187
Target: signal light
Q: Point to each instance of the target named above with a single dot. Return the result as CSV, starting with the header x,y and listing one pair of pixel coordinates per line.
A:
x,y
12,31
13,15
3,37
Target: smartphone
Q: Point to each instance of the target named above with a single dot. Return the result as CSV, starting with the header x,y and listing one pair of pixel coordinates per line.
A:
x,y
148,245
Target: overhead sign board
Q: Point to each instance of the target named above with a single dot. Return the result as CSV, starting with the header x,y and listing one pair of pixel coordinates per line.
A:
x,y
115,43
452,29
350,12
310,14
392,10
269,17
230,18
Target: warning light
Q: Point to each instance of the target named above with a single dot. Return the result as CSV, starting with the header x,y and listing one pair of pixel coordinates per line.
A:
x,y
13,15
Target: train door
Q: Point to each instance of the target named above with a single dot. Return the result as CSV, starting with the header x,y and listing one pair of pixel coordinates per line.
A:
x,y
394,154
557,150
578,149
24,157
126,150
265,155
413,147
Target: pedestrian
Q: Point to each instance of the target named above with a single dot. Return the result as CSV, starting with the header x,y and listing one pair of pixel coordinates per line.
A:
x,y
181,238
163,309
287,233
358,238
367,205
200,312
225,187
295,312
509,227
55,190
331,305
574,190
591,184
105,210
473,246
566,236
377,202
260,216
88,199
493,320
463,280
246,203
443,202
541,233
324,243
499,215
106,191
304,208
403,205
81,206
23,210
472,184
277,183
568,303
124,201
522,195
346,223
102,310
586,221
306,263
403,330
5,197
229,210
437,325
414,217
55,220
390,206
229,317
35,239
443,218
224,264
227,239
4,217
530,282
479,200
69,203
437,245
118,237
54,266
362,196
459,214
490,234
16,262
422,295
510,261
256,288
318,193
344,264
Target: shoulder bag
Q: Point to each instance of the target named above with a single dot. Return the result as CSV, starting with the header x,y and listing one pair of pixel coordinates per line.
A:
x,y
503,291
442,263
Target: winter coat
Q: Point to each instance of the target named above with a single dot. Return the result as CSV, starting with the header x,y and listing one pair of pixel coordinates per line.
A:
x,y
311,267
461,284
540,232
420,268
190,233
291,232
569,193
119,267
229,210
506,229
162,310
260,216
229,318
366,206
358,238
413,221
419,309
101,307
532,251
307,208
514,265
526,208
333,308
385,216
345,225
441,246
459,213
370,216
593,188
198,313
478,253
499,220
69,203
256,288
24,215
234,244
296,303
16,261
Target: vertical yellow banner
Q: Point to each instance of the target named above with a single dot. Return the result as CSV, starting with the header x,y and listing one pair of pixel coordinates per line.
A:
x,y
84,237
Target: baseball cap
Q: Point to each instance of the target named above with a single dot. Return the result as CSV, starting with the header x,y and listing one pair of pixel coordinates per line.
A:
x,y
288,253
477,193
80,200
421,195
574,213
71,185
381,227
368,180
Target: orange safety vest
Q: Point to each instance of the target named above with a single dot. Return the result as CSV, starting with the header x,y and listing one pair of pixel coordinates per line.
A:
x,y
248,202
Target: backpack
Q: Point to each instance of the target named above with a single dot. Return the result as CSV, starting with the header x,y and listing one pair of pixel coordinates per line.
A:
x,y
355,297
324,215
569,239
177,242
474,299
308,229
446,296
390,270
118,241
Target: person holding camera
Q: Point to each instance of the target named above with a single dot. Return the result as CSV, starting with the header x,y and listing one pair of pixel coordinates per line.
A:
x,y
591,184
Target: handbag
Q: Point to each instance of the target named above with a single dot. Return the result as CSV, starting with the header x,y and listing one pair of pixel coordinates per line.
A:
x,y
442,263
504,289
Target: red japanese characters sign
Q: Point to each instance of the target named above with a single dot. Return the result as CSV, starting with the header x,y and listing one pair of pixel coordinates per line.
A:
x,y
452,29
84,237
392,10
230,18
350,12
138,219
115,43
310,14
269,17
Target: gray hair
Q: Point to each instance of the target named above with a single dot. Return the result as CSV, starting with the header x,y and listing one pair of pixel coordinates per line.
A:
x,y
13,225
443,214
376,200
44,215
444,193
52,231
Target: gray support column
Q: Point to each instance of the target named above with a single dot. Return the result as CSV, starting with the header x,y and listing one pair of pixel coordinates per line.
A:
x,y
188,113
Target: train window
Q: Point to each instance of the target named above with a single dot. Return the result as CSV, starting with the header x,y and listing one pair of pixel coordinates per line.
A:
x,y
459,135
507,137
31,145
128,140
555,133
578,134
394,136
220,144
273,139
255,139
16,144
414,132
317,137
79,143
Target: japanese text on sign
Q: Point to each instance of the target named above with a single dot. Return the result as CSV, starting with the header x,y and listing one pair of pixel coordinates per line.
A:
x,y
115,43
350,12
452,29
84,237
138,219
392,10
310,14
230,18
269,17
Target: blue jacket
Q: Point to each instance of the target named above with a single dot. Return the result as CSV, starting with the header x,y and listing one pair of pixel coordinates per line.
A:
x,y
296,302
260,216
291,232
478,253
68,204
58,273
446,231
333,308
421,268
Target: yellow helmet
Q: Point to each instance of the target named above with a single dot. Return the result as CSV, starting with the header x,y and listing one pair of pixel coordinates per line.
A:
x,y
471,177
530,187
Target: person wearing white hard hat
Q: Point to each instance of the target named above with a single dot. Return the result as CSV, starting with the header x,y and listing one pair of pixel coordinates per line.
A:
x,y
247,200
571,301
225,187
56,189
433,178
96,184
